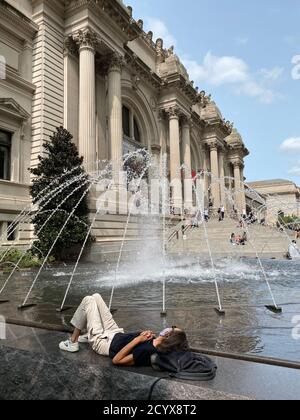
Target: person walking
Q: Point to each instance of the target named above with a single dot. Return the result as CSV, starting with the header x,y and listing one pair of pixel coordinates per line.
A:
x,y
219,214
222,212
206,215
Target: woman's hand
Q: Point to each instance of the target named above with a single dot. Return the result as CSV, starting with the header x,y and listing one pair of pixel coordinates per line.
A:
x,y
146,336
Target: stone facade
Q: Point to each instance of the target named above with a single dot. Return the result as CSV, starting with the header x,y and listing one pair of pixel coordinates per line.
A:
x,y
280,196
88,65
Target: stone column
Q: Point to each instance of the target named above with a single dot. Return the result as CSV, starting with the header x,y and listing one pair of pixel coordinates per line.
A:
x,y
154,178
243,195
175,172
215,183
71,88
115,128
238,187
228,185
87,41
206,168
222,179
187,161
155,167
163,144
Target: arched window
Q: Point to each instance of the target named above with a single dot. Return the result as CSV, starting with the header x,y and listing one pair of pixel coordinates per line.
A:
x,y
131,130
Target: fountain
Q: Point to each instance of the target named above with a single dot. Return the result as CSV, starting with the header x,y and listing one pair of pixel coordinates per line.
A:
x,y
182,257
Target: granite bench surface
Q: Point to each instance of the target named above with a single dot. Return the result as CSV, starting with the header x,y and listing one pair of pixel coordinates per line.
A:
x,y
32,367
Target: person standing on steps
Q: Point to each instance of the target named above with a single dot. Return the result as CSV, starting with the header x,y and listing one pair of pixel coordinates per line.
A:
x,y
222,212
219,214
206,215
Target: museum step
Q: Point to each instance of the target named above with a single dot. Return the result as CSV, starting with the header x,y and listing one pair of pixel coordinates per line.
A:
x,y
262,240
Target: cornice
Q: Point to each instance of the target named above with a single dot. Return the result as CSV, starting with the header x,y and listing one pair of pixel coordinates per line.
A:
x,y
17,81
11,15
238,148
223,127
177,81
142,69
198,121
120,15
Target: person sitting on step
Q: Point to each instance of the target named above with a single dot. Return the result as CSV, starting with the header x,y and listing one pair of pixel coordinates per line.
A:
x,y
107,339
293,252
238,240
244,239
233,239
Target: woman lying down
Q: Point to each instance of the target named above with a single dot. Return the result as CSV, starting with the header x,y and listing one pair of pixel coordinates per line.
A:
x,y
107,339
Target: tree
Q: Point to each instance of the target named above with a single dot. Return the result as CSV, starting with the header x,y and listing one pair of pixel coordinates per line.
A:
x,y
290,222
61,166
136,166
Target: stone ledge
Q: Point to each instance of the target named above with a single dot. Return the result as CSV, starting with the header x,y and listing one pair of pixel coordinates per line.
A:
x,y
34,368
35,376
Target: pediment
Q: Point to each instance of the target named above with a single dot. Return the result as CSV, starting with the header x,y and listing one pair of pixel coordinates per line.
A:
x,y
11,107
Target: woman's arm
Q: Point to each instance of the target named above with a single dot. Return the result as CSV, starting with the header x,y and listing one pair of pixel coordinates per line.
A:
x,y
125,356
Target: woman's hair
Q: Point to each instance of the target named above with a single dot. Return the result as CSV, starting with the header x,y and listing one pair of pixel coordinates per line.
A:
x,y
175,341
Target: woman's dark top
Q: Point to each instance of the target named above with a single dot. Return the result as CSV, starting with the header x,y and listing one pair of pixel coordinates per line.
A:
x,y
141,353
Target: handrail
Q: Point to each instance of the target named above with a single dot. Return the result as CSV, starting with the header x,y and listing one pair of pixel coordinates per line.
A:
x,y
176,230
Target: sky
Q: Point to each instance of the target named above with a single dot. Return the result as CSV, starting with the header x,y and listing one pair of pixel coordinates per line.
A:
x,y
246,54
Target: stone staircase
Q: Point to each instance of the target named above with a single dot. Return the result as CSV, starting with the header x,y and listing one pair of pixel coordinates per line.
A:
x,y
109,231
268,242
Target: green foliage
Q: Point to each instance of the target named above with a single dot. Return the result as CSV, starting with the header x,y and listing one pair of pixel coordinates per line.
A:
x,y
60,165
292,222
12,257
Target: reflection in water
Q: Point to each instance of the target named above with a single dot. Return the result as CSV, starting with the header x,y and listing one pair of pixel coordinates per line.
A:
x,y
247,327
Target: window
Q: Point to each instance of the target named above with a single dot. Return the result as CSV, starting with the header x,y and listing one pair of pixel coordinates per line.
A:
x,y
126,121
11,230
137,136
5,151
130,125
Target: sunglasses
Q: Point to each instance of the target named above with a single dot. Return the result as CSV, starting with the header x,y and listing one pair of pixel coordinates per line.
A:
x,y
167,331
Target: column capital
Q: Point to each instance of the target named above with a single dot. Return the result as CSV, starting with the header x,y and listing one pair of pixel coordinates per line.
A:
x,y
28,45
213,145
237,164
70,46
86,39
173,113
116,62
186,122
161,116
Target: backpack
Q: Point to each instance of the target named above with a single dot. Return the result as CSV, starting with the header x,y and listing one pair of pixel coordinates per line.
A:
x,y
185,365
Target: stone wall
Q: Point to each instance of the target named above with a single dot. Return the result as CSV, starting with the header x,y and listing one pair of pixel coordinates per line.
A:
x,y
48,77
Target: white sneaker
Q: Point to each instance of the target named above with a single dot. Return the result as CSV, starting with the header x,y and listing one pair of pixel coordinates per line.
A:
x,y
83,339
69,346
